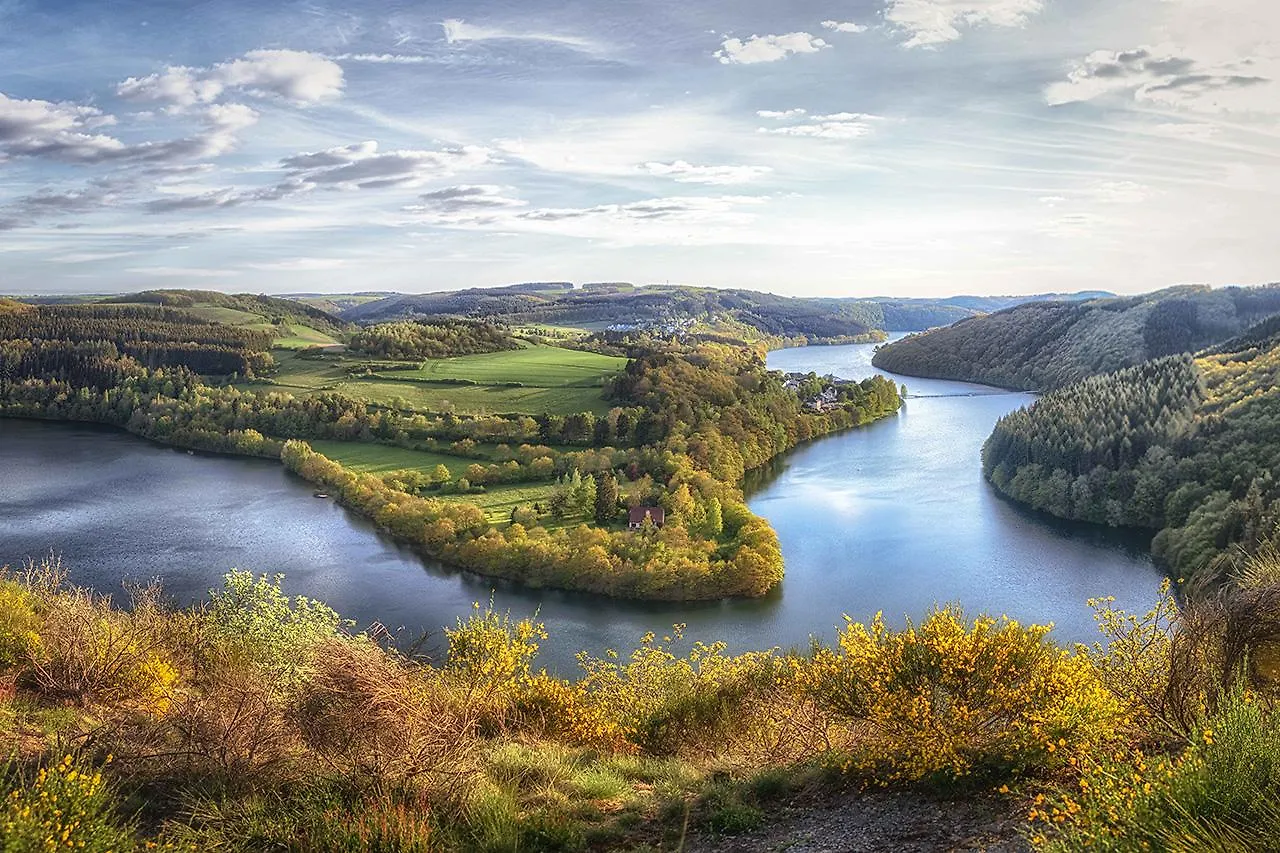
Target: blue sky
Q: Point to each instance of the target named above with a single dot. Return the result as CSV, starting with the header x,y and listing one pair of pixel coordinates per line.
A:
x,y
843,147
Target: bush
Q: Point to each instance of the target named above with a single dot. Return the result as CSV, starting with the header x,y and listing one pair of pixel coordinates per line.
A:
x,y
19,626
277,635
66,806
956,701
1221,793
92,652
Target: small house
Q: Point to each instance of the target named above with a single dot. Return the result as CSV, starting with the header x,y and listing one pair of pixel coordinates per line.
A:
x,y
638,514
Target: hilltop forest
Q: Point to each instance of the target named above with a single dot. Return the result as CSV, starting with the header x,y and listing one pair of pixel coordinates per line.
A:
x,y
1040,346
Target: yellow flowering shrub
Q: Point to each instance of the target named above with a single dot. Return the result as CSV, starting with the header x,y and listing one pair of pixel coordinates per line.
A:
x,y
19,625
553,708
1220,792
952,699
66,807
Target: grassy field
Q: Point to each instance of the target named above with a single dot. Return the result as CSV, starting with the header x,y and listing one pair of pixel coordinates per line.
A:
x,y
381,458
496,501
553,381
534,366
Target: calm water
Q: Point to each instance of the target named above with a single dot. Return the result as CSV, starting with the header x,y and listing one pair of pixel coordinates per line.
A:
x,y
894,517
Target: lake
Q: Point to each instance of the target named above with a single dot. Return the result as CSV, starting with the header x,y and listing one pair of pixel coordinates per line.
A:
x,y
894,517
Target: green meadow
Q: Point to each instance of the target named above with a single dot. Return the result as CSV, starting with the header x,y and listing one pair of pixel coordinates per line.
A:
x,y
534,380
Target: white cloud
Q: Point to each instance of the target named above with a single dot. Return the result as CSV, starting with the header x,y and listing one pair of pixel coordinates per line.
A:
x,y
465,203
1121,192
299,76
361,166
843,27
181,272
832,126
1168,76
457,31
301,265
782,114
758,49
933,22
687,173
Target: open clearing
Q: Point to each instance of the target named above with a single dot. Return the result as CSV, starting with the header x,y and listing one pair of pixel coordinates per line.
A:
x,y
534,380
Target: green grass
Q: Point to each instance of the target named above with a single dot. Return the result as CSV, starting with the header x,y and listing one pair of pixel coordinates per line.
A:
x,y
370,458
534,366
554,381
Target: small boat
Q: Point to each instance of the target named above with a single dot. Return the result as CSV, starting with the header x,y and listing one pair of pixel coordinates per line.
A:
x,y
191,453
321,495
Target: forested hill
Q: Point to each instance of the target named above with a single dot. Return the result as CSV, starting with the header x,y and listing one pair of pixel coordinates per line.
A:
x,y
220,307
1184,446
779,316
1047,345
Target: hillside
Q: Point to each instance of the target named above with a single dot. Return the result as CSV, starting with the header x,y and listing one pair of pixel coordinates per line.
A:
x,y
1183,446
1046,345
607,303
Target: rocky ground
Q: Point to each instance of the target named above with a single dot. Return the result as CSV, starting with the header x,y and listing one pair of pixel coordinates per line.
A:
x,y
893,822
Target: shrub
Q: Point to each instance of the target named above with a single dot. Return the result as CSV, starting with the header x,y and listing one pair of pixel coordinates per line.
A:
x,y
1220,793
90,651
276,634
953,700
705,703
19,625
383,725
66,806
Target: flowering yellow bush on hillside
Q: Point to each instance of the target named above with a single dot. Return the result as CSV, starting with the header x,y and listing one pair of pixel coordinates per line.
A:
x,y
951,699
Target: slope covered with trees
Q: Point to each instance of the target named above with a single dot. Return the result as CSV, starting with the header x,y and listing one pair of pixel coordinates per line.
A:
x,y
1046,345
771,315
1189,448
427,339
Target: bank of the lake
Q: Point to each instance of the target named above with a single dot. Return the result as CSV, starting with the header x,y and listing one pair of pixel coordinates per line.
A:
x,y
891,517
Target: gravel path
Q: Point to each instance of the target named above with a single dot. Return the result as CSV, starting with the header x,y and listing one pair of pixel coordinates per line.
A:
x,y
893,822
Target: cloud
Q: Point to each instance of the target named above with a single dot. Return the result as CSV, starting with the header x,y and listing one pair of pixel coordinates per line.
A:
x,y
62,131
683,209
300,265
934,22
295,75
843,27
688,173
476,204
782,114
1163,76
360,166
55,129
181,272
832,126
457,31
1121,192
758,49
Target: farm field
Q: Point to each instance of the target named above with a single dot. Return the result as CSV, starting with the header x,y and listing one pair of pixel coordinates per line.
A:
x,y
535,366
551,381
371,458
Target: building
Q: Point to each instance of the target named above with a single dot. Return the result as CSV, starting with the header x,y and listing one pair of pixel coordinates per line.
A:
x,y
638,514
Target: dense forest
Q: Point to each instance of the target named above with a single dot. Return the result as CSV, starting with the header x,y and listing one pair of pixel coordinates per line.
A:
x,y
428,339
270,308
1046,345
686,422
1190,448
813,318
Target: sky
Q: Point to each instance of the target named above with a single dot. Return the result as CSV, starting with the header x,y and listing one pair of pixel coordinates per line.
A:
x,y
807,147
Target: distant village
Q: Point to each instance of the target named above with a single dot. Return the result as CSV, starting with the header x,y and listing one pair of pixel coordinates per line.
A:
x,y
826,397
665,327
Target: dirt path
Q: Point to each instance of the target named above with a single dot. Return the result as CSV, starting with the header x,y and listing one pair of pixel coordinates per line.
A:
x,y
892,822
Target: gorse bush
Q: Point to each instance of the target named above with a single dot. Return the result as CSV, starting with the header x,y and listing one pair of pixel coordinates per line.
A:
x,y
65,806
1221,793
261,723
953,700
